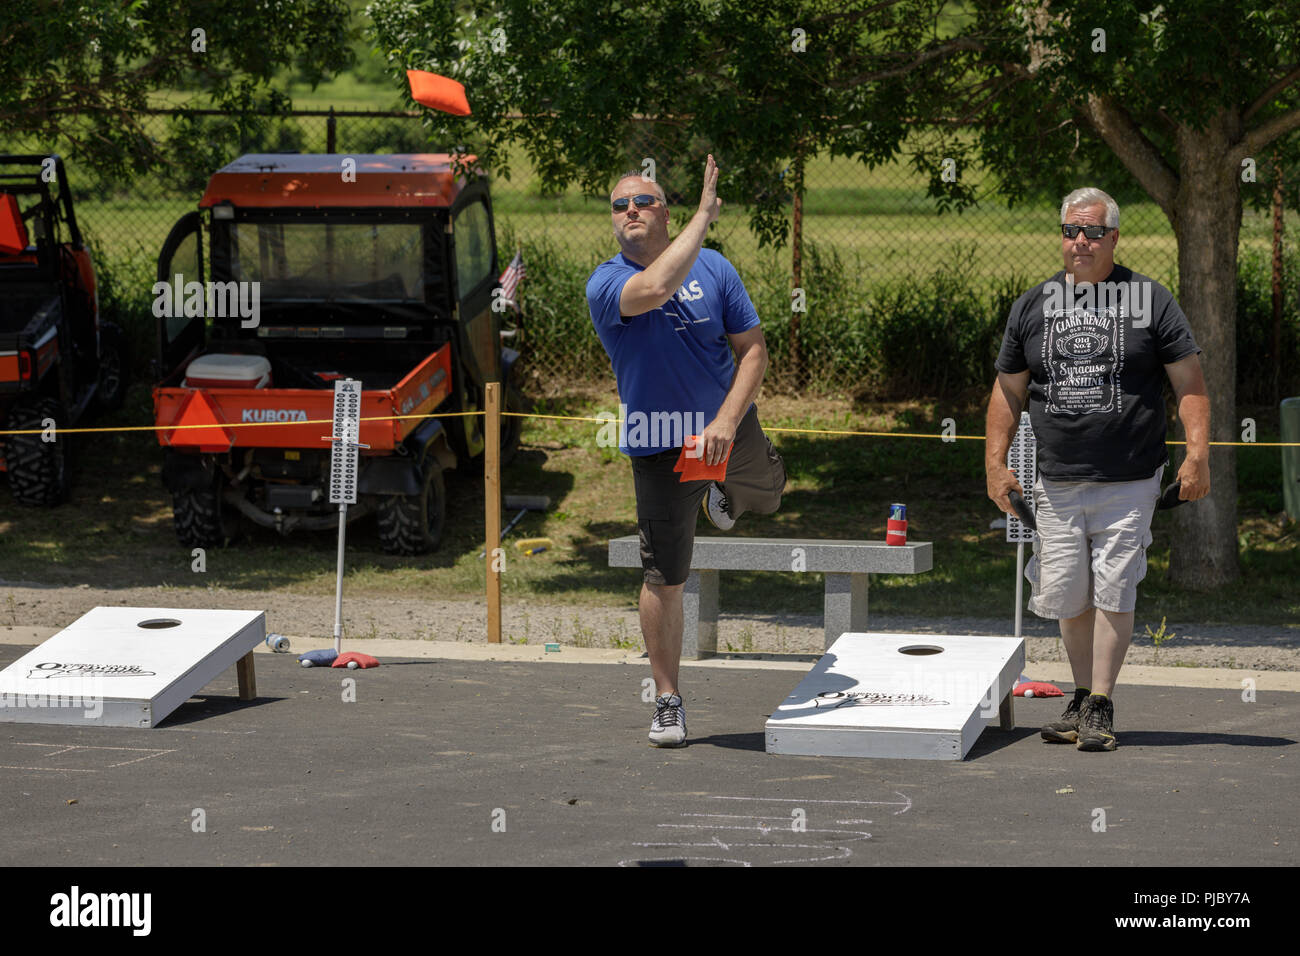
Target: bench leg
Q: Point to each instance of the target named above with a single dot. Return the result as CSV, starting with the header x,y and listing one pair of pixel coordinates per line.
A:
x,y
700,615
1007,712
845,605
244,670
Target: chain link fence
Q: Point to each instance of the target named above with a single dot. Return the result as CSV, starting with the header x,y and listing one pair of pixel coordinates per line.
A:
x,y
898,300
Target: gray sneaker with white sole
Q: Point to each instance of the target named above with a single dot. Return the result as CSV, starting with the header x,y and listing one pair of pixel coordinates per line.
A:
x,y
668,729
718,509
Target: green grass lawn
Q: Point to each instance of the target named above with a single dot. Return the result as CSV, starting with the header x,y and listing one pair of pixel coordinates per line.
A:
x,y
861,217
877,248
117,529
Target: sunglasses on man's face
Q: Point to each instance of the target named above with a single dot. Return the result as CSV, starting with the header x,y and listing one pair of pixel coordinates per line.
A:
x,y
643,201
1069,230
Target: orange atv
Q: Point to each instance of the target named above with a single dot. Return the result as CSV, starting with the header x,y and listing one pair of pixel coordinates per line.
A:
x,y
296,271
58,361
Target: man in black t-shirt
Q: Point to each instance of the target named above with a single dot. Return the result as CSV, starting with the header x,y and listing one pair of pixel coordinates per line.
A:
x,y
1088,348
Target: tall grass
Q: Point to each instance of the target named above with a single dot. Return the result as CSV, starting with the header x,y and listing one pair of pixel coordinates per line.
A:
x,y
932,335
1255,327
935,335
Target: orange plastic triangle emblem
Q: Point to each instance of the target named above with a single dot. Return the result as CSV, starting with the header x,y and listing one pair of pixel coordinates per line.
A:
x,y
198,425
13,234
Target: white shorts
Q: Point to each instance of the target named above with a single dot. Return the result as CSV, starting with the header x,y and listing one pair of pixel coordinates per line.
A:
x,y
1091,546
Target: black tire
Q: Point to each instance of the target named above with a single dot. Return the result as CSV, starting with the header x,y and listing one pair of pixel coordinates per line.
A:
x,y
114,366
412,524
38,470
202,519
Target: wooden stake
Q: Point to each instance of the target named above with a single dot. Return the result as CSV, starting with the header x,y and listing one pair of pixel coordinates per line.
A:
x,y
492,510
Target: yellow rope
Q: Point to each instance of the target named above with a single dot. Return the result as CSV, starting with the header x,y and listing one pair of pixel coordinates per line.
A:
x,y
572,418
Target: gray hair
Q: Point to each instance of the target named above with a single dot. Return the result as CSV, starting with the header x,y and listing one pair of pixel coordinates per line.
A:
x,y
1091,196
637,174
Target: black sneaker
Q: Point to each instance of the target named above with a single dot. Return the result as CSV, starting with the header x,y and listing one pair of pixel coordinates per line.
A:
x,y
1096,724
1066,730
668,729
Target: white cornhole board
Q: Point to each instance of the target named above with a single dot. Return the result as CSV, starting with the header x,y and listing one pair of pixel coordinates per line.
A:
x,y
139,674
866,698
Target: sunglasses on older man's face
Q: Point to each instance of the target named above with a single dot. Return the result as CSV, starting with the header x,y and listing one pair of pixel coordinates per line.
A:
x,y
1069,230
643,201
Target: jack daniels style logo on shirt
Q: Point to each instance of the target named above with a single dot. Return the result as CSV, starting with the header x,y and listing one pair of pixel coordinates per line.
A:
x,y
1083,342
1083,354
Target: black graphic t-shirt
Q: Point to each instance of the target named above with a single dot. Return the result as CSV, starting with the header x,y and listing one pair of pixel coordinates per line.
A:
x,y
1096,356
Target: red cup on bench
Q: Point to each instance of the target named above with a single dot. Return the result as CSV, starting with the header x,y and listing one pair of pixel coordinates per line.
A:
x,y
896,526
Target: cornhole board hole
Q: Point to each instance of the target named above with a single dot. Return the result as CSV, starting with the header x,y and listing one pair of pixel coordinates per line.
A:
x,y
916,696
129,666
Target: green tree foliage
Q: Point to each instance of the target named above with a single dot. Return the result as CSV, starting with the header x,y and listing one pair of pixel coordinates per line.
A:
x,y
568,80
757,84
73,73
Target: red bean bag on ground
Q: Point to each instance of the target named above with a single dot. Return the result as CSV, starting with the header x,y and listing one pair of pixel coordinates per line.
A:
x,y
362,660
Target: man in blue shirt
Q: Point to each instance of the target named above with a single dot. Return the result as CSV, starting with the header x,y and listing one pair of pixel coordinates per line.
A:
x,y
669,315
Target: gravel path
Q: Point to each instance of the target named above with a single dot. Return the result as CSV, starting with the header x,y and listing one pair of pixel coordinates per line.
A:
x,y
381,616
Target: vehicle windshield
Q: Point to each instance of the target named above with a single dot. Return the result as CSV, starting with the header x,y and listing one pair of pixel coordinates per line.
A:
x,y
368,262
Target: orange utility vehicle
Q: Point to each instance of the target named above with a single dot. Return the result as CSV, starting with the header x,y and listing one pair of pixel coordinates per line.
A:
x,y
299,270
58,361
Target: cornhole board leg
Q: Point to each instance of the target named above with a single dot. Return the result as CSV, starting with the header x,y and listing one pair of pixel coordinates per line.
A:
x,y
129,666
915,696
246,671
1007,712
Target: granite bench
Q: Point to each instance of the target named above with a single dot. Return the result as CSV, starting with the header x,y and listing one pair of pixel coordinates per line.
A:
x,y
845,565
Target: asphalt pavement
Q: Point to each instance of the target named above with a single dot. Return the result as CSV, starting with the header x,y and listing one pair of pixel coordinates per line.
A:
x,y
478,762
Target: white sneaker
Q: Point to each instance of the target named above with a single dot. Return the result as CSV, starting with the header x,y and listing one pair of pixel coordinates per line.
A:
x,y
668,729
717,509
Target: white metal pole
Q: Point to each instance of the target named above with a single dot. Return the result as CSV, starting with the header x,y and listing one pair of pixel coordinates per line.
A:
x,y
1020,584
344,449
338,586
1022,458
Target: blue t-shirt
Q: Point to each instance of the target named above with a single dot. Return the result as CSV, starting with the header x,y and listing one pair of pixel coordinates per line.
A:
x,y
673,364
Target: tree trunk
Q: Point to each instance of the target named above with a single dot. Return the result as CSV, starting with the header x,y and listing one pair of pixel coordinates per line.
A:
x,y
1207,221
1277,279
796,267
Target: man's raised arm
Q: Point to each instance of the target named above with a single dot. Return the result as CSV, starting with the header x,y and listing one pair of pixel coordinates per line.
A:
x,y
654,285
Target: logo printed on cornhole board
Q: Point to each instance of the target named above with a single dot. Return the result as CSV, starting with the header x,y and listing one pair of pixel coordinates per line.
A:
x,y
139,664
924,697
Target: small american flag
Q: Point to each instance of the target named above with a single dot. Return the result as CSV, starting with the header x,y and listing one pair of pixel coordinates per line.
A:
x,y
515,273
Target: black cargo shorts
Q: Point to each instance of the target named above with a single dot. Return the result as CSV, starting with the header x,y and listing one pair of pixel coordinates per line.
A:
x,y
667,508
